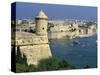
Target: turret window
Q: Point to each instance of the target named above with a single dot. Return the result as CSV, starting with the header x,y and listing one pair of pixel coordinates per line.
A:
x,y
43,28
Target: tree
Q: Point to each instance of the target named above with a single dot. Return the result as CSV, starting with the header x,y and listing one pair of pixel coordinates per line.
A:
x,y
21,68
24,59
48,64
32,68
21,62
65,65
19,58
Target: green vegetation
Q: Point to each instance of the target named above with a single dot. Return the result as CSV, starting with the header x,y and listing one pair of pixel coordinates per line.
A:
x,y
19,58
44,65
65,65
48,64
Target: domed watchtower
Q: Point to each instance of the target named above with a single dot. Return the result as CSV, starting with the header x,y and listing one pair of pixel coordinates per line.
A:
x,y
41,23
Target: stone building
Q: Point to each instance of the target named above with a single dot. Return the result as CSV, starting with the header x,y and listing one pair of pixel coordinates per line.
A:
x,y
63,30
41,23
33,45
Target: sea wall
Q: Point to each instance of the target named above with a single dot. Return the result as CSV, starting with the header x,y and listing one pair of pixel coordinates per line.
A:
x,y
34,47
34,53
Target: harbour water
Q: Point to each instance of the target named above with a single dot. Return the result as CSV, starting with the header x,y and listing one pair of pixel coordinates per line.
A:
x,y
79,52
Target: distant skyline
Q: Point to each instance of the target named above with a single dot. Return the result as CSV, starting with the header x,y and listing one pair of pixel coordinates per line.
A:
x,y
26,10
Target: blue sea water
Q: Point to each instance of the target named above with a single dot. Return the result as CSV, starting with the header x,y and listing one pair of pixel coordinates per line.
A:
x,y
80,54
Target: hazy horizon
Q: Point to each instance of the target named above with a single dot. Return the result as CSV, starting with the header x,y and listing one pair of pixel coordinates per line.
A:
x,y
26,10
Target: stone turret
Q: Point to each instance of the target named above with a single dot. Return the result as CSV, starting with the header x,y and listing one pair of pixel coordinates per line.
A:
x,y
34,45
41,23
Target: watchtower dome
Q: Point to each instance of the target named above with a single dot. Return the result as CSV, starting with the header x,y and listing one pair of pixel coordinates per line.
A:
x,y
41,23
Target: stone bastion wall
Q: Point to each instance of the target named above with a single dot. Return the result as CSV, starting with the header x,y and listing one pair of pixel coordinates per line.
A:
x,y
34,47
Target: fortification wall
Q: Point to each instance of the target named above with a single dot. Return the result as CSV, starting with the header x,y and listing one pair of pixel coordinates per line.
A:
x,y
25,38
35,53
34,47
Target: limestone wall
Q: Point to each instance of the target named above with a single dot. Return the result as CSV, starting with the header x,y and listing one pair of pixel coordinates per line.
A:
x,y
25,38
34,53
41,27
70,31
34,47
63,35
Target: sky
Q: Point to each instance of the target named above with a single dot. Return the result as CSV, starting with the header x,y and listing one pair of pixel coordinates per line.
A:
x,y
55,11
